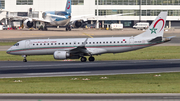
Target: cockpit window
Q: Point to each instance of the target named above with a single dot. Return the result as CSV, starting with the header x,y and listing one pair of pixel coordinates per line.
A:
x,y
17,44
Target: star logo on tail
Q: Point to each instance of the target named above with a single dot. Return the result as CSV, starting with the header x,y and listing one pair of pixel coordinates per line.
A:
x,y
153,30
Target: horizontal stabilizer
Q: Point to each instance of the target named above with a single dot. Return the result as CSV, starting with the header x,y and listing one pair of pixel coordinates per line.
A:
x,y
157,39
168,38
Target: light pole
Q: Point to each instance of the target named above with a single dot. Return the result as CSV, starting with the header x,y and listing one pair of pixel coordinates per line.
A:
x,y
97,22
140,11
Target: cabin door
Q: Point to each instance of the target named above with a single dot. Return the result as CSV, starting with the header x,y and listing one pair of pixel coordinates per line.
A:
x,y
27,45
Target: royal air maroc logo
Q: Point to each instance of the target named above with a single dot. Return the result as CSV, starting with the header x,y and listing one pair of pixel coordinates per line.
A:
x,y
153,30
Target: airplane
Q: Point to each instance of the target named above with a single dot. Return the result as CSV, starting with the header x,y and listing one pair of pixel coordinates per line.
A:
x,y
75,48
53,18
59,18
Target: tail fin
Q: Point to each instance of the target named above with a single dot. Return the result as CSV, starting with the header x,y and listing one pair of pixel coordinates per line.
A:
x,y
157,27
68,6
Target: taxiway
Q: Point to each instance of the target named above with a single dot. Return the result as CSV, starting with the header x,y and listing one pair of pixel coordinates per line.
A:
x,y
17,69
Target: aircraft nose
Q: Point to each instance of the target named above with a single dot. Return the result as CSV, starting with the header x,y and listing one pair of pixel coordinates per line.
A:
x,y
8,51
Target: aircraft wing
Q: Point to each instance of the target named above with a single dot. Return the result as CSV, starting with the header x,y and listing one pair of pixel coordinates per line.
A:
x,y
33,19
85,17
81,49
81,17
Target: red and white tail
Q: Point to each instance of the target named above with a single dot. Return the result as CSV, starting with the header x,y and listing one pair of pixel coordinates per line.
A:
x,y
157,27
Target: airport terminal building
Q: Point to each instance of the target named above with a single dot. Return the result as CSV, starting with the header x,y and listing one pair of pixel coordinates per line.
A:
x,y
139,10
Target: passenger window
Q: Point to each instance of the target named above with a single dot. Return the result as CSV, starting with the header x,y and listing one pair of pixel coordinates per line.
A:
x,y
93,42
41,44
70,43
89,42
51,43
114,41
48,44
33,44
55,43
59,43
37,44
62,43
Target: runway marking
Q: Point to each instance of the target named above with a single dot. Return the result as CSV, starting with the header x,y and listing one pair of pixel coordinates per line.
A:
x,y
88,35
43,65
56,73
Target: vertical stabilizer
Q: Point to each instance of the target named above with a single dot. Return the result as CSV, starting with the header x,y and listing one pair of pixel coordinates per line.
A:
x,y
157,27
68,6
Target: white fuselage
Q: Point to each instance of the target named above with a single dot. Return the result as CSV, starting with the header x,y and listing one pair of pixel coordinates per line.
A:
x,y
94,45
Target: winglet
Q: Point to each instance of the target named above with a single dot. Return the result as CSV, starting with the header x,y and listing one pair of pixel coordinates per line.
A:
x,y
84,43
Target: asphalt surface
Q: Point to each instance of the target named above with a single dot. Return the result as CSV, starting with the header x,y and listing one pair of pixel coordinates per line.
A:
x,y
90,97
15,69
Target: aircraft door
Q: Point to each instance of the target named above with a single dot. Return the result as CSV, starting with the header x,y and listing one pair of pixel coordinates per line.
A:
x,y
131,41
27,45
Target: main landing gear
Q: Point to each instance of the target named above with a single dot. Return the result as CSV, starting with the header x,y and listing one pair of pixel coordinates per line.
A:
x,y
84,59
68,28
24,60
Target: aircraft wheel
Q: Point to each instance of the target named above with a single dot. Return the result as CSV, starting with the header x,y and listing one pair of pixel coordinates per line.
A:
x,y
45,28
91,59
24,60
66,29
83,59
69,29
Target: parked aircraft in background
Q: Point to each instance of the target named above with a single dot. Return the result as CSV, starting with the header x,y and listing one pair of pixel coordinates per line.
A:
x,y
59,18
75,48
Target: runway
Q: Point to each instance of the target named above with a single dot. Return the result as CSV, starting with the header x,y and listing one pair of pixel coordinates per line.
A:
x,y
90,97
16,69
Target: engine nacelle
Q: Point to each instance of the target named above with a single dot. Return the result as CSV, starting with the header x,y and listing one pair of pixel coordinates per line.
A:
x,y
60,55
28,23
77,24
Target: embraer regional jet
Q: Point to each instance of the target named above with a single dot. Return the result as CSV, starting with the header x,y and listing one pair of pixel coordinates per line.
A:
x,y
75,48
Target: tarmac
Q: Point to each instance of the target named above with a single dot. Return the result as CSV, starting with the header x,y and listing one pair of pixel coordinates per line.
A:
x,y
14,35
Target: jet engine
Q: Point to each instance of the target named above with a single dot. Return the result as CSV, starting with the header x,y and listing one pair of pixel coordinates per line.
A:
x,y
58,55
28,23
78,23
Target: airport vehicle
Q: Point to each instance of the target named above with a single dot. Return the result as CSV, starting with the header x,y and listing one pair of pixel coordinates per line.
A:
x,y
75,48
116,26
141,25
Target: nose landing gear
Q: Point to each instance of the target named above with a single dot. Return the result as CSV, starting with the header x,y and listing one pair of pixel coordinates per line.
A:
x,y
24,60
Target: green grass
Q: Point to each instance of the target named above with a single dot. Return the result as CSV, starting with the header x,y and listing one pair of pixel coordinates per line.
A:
x,y
131,83
156,52
7,43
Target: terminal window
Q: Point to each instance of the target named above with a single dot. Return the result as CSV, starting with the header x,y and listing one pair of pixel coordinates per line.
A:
x,y
77,2
137,2
136,12
24,2
2,4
